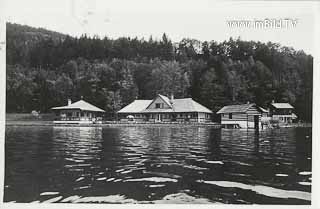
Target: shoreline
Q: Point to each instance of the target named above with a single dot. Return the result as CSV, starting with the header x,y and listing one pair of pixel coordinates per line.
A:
x,y
122,124
110,124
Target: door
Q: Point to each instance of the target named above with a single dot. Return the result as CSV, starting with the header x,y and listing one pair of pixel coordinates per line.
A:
x,y
174,117
256,121
159,117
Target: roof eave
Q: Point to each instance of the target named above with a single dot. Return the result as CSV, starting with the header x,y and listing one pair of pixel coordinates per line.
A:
x,y
76,108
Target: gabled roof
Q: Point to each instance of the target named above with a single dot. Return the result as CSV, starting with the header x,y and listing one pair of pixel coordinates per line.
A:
x,y
178,105
235,108
263,110
136,106
166,99
82,105
282,105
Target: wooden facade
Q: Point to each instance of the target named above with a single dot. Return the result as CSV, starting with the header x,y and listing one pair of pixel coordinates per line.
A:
x,y
77,113
282,112
242,116
166,117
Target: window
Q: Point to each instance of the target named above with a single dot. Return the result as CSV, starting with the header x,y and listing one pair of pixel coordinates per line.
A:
x,y
230,115
158,105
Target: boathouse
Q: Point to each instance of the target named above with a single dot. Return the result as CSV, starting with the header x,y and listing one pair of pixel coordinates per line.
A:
x,y
80,112
241,116
163,109
282,112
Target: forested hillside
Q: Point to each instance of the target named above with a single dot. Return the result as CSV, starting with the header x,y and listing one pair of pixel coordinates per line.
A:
x,y
45,68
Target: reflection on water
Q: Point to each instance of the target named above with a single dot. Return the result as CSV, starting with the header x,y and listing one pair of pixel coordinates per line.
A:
x,y
157,165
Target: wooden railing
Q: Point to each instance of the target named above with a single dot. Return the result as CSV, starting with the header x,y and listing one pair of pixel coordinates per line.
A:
x,y
72,118
160,122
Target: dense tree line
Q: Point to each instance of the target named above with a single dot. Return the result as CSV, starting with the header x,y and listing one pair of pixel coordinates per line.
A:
x,y
43,72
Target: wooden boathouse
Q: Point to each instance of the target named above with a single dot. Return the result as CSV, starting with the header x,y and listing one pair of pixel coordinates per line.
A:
x,y
241,116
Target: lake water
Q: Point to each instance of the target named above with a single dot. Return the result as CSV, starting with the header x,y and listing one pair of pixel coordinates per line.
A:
x,y
157,165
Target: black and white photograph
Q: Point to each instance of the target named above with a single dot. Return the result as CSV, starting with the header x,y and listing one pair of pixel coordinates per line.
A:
x,y
158,102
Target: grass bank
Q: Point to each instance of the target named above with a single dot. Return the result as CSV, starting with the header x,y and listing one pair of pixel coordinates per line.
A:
x,y
29,117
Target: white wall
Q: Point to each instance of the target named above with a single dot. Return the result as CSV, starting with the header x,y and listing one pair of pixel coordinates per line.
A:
x,y
242,124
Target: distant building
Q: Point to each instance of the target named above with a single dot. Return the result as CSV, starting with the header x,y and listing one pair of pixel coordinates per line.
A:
x,y
283,112
78,113
163,109
241,116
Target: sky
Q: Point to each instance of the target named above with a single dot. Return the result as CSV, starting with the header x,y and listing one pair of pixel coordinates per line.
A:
x,y
204,20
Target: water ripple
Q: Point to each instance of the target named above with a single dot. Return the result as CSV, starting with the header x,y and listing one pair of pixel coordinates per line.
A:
x,y
157,165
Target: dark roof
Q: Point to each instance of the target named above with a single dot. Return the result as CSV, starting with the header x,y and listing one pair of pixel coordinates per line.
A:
x,y
235,108
177,105
82,105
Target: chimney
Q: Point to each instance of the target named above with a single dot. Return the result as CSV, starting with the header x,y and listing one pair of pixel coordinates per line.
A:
x,y
272,101
171,98
69,102
248,102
